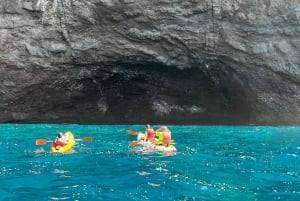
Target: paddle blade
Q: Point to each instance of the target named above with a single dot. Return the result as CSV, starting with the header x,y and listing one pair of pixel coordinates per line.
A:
x,y
86,139
133,143
41,141
131,132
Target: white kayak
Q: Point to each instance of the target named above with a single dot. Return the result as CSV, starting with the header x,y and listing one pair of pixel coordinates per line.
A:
x,y
150,147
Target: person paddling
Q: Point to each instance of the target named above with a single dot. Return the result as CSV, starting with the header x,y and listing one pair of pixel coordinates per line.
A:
x,y
149,133
60,141
164,136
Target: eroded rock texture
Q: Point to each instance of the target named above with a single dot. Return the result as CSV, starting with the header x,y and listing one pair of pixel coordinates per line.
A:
x,y
158,61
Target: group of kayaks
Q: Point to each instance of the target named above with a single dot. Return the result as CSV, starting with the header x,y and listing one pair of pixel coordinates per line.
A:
x,y
68,146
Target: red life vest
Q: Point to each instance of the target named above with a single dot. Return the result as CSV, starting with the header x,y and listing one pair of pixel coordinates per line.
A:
x,y
150,133
57,143
167,138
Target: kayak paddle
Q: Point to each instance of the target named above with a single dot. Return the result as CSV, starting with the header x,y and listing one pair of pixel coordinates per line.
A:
x,y
41,141
132,132
133,143
85,139
44,141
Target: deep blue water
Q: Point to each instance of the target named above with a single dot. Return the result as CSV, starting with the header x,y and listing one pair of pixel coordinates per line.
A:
x,y
212,163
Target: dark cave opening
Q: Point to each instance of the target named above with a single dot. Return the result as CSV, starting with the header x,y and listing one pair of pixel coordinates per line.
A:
x,y
135,94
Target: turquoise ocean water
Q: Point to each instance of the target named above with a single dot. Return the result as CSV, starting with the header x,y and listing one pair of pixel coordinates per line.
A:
x,y
212,163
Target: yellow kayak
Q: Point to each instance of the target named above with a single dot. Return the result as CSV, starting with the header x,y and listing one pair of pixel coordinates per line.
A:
x,y
68,148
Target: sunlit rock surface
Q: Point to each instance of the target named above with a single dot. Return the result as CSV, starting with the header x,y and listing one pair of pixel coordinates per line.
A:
x,y
158,61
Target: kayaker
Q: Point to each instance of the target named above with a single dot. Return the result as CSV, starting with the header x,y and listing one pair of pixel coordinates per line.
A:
x,y
59,141
149,133
164,136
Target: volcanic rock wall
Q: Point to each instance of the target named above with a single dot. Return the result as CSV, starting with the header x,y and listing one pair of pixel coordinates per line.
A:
x,y
158,61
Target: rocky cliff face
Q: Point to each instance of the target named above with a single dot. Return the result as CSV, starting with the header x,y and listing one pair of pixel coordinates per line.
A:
x,y
158,61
